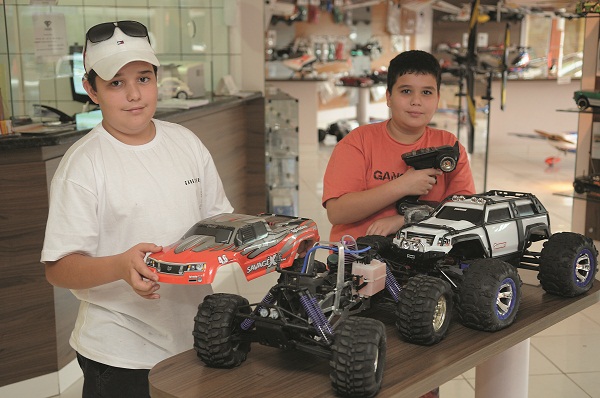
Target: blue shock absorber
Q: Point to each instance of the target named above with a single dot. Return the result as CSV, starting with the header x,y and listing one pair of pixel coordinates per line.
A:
x,y
315,313
247,323
391,284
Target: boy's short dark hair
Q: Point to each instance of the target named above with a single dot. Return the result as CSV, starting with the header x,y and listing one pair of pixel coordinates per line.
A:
x,y
413,61
91,77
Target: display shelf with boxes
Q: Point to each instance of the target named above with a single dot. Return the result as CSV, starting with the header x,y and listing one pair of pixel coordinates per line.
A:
x,y
281,150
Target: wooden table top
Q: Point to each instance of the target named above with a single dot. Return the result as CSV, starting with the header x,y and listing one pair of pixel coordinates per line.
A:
x,y
410,370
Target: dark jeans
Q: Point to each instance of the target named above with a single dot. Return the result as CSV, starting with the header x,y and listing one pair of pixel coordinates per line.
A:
x,y
104,381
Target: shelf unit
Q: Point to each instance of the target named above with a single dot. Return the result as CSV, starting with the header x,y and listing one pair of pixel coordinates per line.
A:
x,y
281,151
586,213
591,110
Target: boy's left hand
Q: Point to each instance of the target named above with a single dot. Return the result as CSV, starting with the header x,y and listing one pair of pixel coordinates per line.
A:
x,y
137,274
386,226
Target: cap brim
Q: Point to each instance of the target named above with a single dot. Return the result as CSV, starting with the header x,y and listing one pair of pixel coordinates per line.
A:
x,y
108,67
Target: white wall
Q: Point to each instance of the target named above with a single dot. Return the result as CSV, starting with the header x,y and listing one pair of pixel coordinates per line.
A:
x,y
252,64
423,38
531,105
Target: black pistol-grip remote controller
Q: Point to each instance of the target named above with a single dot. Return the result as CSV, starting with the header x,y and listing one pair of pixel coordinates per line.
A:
x,y
444,158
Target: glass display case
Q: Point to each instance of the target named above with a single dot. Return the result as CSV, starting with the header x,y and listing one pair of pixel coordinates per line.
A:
x,y
44,40
281,150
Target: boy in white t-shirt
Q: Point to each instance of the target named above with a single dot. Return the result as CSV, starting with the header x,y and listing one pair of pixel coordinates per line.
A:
x,y
130,185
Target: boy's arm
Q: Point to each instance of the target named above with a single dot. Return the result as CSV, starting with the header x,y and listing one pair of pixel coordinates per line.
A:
x,y
356,206
386,225
78,271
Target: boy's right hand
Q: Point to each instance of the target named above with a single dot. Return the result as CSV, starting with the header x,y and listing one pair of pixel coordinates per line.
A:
x,y
137,274
418,182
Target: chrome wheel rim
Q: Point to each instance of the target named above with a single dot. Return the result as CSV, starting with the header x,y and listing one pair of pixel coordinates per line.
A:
x,y
505,298
583,268
439,315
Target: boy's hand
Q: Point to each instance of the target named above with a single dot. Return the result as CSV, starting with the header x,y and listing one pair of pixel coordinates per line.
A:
x,y
419,182
137,274
386,226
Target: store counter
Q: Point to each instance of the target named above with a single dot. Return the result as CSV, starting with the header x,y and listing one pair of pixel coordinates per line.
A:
x,y
411,370
19,141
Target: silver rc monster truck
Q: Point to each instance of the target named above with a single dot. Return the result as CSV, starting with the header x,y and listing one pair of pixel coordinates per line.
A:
x,y
465,255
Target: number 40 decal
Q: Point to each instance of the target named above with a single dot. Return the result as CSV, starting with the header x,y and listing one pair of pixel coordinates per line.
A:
x,y
223,259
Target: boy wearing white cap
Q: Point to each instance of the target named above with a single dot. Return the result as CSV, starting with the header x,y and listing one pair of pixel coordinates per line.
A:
x,y
130,185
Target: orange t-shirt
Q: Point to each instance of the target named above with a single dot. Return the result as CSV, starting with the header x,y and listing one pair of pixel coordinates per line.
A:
x,y
369,157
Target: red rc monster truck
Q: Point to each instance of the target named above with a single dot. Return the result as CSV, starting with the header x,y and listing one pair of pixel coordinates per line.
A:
x,y
309,309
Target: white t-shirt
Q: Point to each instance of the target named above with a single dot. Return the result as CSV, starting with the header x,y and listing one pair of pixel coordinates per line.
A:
x,y
105,198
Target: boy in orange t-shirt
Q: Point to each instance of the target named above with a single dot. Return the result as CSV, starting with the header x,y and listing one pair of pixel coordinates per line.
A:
x,y
366,174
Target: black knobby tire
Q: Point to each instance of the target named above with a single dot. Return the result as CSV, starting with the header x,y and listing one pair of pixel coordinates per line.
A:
x,y
322,134
216,336
376,242
489,295
579,187
358,357
583,103
297,265
424,310
568,264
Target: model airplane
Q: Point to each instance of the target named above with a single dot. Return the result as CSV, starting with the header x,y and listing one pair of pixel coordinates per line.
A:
x,y
564,142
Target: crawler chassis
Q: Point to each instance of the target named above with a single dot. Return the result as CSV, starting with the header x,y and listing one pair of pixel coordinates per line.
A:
x,y
312,308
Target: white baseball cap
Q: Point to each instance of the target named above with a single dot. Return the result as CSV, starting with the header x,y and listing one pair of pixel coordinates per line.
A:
x,y
108,56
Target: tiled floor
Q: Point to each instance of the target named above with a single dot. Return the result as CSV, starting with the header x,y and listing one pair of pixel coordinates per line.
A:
x,y
563,358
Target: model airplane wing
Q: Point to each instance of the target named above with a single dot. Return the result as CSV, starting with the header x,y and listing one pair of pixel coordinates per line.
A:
x,y
564,142
297,64
557,137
